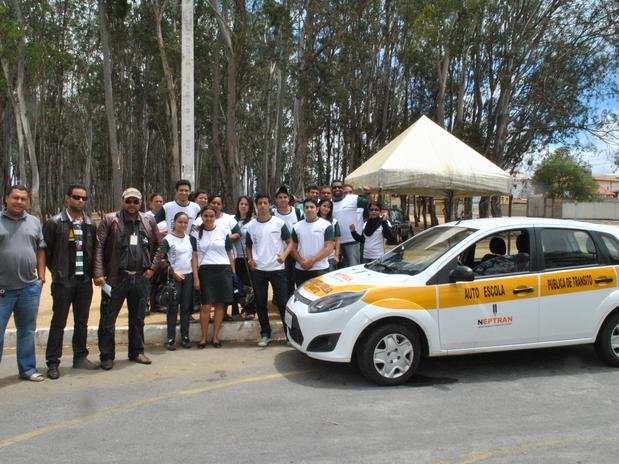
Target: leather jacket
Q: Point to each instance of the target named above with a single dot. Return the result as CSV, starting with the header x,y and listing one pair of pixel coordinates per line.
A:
x,y
57,257
109,244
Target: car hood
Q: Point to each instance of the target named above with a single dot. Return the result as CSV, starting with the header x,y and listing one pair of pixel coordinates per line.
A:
x,y
352,279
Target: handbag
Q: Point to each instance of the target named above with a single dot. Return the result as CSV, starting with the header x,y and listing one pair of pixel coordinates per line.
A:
x,y
167,294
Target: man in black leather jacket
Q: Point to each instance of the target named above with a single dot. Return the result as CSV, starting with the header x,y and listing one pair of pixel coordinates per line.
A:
x,y
70,237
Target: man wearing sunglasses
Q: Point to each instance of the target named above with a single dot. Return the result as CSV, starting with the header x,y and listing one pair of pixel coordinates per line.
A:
x,y
127,242
70,238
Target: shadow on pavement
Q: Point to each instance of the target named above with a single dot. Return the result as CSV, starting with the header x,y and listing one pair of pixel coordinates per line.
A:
x,y
441,372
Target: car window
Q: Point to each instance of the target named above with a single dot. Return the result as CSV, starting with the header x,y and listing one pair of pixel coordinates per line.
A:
x,y
612,245
568,248
422,250
501,253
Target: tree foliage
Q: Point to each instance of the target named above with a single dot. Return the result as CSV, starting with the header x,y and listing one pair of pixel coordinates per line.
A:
x,y
295,91
561,176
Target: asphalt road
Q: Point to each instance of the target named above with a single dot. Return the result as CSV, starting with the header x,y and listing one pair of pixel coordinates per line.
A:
x,y
243,404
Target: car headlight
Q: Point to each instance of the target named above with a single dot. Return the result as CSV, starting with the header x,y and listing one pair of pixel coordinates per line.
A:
x,y
333,302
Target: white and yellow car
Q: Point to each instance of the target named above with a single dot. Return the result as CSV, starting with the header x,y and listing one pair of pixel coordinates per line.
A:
x,y
465,287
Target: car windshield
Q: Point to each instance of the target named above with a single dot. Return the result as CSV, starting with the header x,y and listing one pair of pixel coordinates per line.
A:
x,y
423,249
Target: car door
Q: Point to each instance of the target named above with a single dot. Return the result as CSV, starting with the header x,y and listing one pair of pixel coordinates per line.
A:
x,y
576,277
500,307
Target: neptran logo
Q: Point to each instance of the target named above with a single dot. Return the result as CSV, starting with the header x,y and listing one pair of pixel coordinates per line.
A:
x,y
494,321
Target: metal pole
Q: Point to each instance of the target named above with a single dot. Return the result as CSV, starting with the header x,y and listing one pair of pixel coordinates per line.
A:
x,y
187,95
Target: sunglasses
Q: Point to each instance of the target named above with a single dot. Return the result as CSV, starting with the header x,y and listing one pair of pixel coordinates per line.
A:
x,y
79,197
132,201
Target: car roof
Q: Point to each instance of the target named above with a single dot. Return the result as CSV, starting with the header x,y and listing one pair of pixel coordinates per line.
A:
x,y
524,221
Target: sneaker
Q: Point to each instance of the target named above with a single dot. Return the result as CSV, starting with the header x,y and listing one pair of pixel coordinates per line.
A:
x,y
264,341
52,372
170,346
84,363
186,343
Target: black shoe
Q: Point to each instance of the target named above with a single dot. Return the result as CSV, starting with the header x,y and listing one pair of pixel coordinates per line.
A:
x,y
107,364
84,363
170,346
186,343
52,372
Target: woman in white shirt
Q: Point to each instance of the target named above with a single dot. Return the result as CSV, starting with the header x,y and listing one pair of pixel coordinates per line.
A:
x,y
215,268
376,229
179,250
244,214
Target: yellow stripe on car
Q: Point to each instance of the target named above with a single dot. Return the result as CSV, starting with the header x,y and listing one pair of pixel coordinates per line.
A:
x,y
487,291
581,280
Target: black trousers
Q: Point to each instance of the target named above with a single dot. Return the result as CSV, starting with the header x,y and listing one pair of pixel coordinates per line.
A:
x,y
261,279
184,299
78,294
290,279
135,289
243,271
302,276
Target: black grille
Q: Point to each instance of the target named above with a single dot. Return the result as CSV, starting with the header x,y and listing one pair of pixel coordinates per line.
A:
x,y
324,343
295,331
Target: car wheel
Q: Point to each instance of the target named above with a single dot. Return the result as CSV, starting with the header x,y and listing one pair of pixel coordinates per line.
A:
x,y
390,354
607,343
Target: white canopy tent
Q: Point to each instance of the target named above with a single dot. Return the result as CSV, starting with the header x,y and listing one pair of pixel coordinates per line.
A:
x,y
425,159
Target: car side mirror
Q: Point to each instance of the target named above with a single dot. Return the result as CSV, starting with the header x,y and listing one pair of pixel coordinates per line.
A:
x,y
461,274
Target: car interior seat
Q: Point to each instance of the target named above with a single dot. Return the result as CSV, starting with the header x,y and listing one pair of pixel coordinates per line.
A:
x,y
523,258
497,248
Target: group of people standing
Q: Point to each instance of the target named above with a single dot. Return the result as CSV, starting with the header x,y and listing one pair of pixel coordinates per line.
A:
x,y
200,247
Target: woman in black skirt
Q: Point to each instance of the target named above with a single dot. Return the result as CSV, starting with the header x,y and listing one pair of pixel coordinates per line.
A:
x,y
216,265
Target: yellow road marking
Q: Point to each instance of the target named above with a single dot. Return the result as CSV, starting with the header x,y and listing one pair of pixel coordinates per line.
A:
x,y
138,404
506,451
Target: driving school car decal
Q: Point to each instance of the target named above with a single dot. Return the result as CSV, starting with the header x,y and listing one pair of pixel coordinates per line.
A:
x,y
559,283
487,291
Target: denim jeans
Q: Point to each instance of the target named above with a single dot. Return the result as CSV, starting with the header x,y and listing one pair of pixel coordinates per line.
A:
x,y
351,254
24,305
76,293
278,282
184,299
136,290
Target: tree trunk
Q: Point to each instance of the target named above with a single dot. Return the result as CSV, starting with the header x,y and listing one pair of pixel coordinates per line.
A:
x,y
305,51
175,157
275,169
116,160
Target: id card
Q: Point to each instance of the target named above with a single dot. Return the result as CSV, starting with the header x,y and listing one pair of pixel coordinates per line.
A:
x,y
133,240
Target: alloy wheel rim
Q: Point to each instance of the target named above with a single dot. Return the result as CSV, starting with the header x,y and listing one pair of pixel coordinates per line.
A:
x,y
614,340
393,355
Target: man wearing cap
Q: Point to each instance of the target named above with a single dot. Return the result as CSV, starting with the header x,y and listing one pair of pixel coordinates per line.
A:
x,y
127,242
70,238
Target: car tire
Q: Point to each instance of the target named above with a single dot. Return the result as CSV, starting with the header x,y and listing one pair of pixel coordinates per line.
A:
x,y
607,343
390,354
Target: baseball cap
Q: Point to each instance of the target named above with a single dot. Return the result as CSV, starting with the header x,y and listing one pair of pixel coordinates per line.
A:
x,y
131,192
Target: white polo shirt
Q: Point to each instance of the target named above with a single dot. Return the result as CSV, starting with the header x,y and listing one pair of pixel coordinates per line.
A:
x,y
345,211
172,208
267,240
311,238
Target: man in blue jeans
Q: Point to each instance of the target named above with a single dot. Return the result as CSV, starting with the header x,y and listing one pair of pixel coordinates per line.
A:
x,y
22,250
268,244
